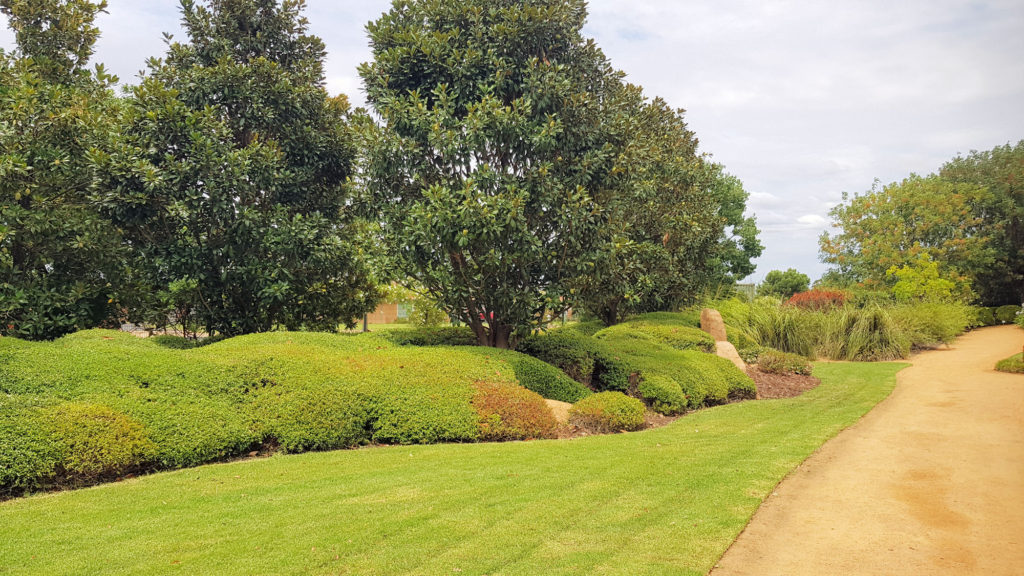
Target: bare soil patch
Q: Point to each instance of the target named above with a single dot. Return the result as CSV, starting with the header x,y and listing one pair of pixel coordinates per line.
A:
x,y
771,386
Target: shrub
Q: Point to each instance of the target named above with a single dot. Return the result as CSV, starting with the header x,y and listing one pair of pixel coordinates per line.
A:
x,y
582,358
1013,364
608,412
97,442
874,335
29,454
543,378
432,336
734,311
739,338
509,412
776,362
928,324
703,378
587,328
662,394
307,418
1007,314
985,316
818,299
668,329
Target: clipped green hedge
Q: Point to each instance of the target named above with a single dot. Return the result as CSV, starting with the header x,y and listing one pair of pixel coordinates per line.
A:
x,y
584,359
541,377
608,412
669,328
100,403
432,336
662,394
705,379
985,316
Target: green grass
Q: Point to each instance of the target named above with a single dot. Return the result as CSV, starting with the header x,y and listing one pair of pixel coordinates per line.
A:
x,y
663,501
1014,364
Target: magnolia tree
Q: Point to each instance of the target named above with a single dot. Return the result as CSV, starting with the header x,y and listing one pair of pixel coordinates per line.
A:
x,y
59,260
495,156
230,177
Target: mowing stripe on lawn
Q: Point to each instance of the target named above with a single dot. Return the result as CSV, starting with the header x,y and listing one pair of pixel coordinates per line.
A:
x,y
663,501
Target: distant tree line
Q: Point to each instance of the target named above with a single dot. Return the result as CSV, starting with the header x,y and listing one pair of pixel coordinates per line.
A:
x,y
963,228
509,172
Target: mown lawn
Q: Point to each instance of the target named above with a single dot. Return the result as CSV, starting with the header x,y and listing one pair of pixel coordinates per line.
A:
x,y
664,501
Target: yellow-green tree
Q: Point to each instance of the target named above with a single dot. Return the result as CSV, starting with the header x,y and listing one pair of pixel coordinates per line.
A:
x,y
893,225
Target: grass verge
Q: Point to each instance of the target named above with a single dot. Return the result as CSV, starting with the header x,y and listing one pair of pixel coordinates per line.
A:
x,y
662,501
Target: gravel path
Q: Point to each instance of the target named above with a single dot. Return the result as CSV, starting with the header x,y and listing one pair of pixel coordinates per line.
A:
x,y
930,482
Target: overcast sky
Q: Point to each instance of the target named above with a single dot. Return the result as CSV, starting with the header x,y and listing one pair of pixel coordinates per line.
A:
x,y
801,100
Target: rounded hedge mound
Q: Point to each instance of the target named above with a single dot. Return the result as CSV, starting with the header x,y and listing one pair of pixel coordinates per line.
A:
x,y
662,394
510,412
608,412
582,358
773,361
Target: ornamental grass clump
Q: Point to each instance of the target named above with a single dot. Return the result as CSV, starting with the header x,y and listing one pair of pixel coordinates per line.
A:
x,y
608,412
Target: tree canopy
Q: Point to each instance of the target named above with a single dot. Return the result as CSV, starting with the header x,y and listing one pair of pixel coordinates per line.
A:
x,y
230,177
58,258
968,218
784,284
497,148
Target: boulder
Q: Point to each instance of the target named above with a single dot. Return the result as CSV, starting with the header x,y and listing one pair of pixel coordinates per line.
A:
x,y
712,323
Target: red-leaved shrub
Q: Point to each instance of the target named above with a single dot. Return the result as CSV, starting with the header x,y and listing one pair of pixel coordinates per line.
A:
x,y
818,299
510,412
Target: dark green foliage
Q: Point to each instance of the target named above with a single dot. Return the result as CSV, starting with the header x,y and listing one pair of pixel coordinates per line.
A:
x,y
495,150
705,379
509,412
999,279
1007,314
608,412
543,378
586,328
662,394
1014,364
985,316
784,284
58,259
229,175
584,359
651,255
775,362
432,336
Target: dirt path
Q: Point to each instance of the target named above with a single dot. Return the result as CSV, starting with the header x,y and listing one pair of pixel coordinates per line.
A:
x,y
930,482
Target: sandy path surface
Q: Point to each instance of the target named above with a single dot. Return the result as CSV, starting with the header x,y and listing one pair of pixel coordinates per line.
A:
x,y
929,482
